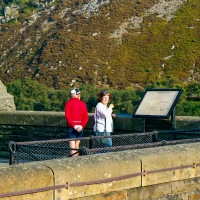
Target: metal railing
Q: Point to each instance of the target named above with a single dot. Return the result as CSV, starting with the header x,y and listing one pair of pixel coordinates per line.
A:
x,y
21,152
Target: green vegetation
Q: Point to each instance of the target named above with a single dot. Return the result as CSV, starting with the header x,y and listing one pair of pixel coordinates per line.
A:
x,y
68,51
55,52
30,95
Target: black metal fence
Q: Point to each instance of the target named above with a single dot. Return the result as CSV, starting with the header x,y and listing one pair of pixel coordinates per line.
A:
x,y
21,152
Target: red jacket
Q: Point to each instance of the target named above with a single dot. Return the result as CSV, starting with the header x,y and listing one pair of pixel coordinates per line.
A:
x,y
76,113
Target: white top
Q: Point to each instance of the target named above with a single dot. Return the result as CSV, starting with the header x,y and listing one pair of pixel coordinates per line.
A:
x,y
102,114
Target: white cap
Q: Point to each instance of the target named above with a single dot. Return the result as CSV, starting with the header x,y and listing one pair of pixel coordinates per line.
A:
x,y
75,91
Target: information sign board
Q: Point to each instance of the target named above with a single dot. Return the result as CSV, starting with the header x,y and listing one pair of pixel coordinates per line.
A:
x,y
157,103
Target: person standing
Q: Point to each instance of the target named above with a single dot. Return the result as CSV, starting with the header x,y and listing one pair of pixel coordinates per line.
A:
x,y
103,115
76,114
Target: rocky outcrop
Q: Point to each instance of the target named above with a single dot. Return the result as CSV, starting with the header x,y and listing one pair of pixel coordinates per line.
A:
x,y
163,9
6,100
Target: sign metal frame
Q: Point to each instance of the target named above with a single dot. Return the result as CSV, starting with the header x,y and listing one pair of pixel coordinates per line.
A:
x,y
157,103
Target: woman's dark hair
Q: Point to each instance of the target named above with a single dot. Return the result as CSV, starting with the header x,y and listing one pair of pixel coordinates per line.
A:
x,y
103,93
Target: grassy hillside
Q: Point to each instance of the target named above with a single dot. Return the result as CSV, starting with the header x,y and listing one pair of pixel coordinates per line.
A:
x,y
115,44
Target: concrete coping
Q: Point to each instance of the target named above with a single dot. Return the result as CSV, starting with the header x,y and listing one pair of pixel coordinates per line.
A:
x,y
157,165
57,119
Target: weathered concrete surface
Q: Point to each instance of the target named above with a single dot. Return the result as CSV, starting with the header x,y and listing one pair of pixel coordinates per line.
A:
x,y
164,184
46,118
6,100
176,184
121,122
33,118
169,157
96,167
26,177
175,190
187,122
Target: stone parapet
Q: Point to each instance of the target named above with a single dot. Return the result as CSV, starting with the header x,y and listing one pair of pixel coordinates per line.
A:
x,y
159,173
26,177
57,119
187,122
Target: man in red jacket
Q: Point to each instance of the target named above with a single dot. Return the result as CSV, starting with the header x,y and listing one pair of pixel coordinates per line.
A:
x,y
76,114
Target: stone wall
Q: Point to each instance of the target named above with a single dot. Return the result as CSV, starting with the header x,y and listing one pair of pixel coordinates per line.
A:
x,y
36,125
169,172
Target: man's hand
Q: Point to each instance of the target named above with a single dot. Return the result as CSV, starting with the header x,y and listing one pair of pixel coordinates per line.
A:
x,y
78,128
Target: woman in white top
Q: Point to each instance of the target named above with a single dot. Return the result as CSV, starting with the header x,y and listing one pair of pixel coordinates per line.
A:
x,y
103,117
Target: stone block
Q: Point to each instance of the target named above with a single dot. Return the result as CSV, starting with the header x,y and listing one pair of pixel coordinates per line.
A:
x,y
187,122
6,100
184,189
121,195
95,168
127,123
90,123
3,89
162,159
26,177
22,118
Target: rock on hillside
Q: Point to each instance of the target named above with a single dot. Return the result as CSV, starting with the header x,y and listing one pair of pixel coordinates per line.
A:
x,y
6,100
